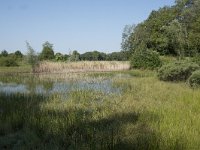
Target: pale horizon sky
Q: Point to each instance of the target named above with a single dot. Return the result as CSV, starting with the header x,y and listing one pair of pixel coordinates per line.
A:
x,y
82,25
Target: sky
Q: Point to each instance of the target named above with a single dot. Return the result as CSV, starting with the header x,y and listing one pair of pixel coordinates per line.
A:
x,y
82,25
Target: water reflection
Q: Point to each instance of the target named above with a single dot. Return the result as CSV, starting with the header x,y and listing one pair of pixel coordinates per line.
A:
x,y
31,84
12,88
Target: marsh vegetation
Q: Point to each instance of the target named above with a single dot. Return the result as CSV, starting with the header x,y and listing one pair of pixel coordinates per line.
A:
x,y
110,110
146,97
82,66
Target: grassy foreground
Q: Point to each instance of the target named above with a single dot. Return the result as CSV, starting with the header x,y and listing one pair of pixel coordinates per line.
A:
x,y
149,114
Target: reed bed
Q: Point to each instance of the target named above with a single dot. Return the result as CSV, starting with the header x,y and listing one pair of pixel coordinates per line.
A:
x,y
81,66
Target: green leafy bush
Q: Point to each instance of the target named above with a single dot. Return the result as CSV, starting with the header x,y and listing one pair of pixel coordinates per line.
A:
x,y
8,62
196,59
194,79
146,60
177,71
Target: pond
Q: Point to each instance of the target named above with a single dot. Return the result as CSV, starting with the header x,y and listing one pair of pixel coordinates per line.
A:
x,y
50,84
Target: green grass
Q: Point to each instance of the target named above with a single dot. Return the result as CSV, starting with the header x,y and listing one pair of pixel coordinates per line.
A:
x,y
174,109
19,69
148,114
22,68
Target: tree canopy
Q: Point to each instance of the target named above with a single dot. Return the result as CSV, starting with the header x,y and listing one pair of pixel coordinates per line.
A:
x,y
18,54
47,51
4,53
173,30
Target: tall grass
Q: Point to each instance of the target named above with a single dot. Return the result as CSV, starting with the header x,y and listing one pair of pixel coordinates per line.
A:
x,y
170,110
81,66
148,114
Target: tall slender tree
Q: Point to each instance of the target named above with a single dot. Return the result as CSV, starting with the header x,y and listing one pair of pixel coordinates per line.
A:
x,y
32,58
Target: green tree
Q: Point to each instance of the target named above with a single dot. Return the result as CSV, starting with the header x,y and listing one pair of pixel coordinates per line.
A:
x,y
140,36
59,57
171,30
75,56
87,56
18,54
66,57
190,18
118,56
177,37
47,51
126,44
156,38
32,58
93,56
4,53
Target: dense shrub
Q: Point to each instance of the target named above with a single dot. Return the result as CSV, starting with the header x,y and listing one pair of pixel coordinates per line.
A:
x,y
196,59
177,71
194,79
8,62
146,60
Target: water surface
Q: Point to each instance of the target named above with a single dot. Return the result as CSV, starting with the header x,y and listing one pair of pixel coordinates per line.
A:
x,y
34,84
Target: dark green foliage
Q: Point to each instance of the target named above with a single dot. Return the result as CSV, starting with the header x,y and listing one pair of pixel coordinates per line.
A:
x,y
10,59
194,79
177,71
172,30
93,56
18,54
196,59
66,57
59,57
155,26
119,56
4,53
47,52
176,37
146,60
8,62
99,56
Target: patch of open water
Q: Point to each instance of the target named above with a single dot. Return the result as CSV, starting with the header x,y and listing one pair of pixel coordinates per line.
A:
x,y
60,87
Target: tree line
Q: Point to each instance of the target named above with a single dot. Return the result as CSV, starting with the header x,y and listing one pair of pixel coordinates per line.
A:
x,y
171,30
47,53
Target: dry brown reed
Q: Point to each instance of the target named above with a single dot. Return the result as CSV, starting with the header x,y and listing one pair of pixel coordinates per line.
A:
x,y
81,66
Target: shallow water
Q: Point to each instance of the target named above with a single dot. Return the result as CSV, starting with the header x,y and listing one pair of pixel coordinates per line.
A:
x,y
31,84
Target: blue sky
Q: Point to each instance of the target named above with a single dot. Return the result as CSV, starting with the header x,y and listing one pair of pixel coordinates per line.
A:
x,y
83,25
